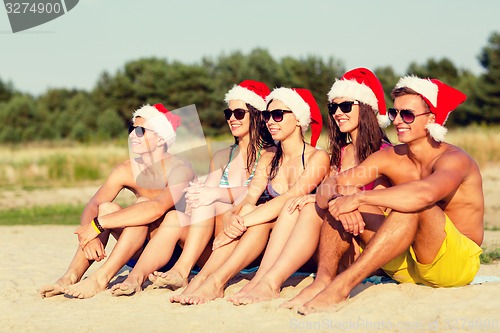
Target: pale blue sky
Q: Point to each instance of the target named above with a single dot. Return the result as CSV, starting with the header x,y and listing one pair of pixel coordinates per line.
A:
x,y
102,35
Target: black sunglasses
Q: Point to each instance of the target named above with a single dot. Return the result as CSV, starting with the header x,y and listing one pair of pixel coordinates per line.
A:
x,y
276,114
139,130
407,116
345,107
238,113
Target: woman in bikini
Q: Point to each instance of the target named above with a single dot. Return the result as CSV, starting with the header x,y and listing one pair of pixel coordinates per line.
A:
x,y
295,170
354,134
231,170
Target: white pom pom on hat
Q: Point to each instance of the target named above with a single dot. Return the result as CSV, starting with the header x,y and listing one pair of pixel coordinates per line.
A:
x,y
441,98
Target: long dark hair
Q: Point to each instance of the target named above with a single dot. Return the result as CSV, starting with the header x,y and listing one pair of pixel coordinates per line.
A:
x,y
259,136
276,161
370,137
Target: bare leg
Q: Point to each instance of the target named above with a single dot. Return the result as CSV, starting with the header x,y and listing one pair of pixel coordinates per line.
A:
x,y
279,237
251,244
299,248
129,242
156,254
197,239
333,243
397,233
79,264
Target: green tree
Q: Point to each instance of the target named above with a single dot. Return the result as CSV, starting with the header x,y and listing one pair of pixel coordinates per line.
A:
x,y
19,119
487,93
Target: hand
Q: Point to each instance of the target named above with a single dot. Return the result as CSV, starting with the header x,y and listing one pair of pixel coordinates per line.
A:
x,y
300,202
94,250
234,226
86,233
345,209
197,194
352,222
221,240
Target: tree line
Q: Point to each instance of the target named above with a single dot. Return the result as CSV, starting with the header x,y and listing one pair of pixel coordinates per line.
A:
x,y
104,112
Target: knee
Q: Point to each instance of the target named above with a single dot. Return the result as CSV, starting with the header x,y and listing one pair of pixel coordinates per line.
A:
x,y
108,208
170,219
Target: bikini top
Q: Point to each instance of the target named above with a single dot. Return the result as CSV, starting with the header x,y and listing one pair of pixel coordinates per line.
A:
x,y
224,180
270,192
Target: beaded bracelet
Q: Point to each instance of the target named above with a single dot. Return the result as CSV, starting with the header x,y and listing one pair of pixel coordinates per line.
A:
x,y
97,226
335,196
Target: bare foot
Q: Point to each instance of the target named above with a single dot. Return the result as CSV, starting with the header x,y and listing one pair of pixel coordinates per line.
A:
x,y
191,287
305,294
126,288
208,291
243,291
260,293
171,279
57,288
329,299
86,288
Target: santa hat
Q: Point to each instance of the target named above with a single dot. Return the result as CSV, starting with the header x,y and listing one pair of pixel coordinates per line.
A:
x,y
303,105
440,97
160,120
362,85
251,92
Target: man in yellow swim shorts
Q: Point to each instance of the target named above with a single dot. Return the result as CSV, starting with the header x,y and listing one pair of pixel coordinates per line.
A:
x,y
433,230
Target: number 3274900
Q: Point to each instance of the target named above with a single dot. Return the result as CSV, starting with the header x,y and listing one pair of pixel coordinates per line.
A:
x,y
35,8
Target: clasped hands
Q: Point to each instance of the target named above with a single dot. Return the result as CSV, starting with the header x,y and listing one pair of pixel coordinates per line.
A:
x,y
197,194
345,209
233,228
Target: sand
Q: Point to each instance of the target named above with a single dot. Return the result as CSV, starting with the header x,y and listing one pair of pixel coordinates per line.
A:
x,y
32,256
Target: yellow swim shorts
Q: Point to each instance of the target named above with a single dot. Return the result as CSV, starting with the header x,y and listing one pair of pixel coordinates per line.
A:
x,y
455,264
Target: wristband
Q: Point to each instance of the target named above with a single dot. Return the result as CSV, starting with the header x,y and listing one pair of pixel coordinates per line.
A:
x,y
97,226
335,196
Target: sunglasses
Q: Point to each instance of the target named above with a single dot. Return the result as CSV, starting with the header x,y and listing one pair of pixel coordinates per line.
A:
x,y
345,107
407,116
139,130
238,113
276,114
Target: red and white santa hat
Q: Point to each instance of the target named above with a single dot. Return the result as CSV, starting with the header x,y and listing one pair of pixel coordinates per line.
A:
x,y
440,97
303,105
251,92
160,120
362,85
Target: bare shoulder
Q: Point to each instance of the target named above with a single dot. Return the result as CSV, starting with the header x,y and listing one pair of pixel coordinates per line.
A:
x,y
122,169
454,157
317,155
221,157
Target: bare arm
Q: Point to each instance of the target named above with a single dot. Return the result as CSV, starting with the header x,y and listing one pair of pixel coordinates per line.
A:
x,y
316,169
449,172
364,173
106,193
145,212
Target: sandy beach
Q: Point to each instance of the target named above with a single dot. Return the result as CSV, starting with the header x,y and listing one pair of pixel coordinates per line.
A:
x,y
33,256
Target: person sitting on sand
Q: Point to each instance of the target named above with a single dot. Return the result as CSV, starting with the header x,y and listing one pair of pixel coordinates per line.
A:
x,y
231,170
157,179
354,134
295,169
433,233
